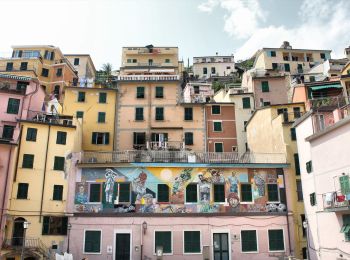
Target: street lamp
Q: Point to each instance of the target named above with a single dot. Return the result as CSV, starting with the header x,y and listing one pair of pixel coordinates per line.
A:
x,y
25,227
69,227
144,227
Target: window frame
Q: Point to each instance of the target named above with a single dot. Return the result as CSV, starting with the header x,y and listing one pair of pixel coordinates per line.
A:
x,y
157,89
188,116
101,242
221,126
265,87
53,192
45,72
104,138
130,191
200,242
27,191
32,163
157,115
171,241
140,95
59,72
268,241
58,158
244,103
78,113
104,99
59,138
213,187
168,201
10,107
240,194
80,95
101,117
212,110
257,242
64,225
267,193
197,199
76,62
100,193
222,145
138,114
191,141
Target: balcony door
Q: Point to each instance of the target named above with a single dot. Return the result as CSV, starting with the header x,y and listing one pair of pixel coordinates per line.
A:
x,y
18,232
221,246
122,246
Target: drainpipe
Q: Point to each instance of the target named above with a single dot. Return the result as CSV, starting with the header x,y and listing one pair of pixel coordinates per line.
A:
x,y
288,227
44,178
150,111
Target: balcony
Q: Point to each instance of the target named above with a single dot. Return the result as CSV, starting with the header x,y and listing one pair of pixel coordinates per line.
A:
x,y
32,246
335,201
148,78
144,156
9,134
49,118
18,68
290,117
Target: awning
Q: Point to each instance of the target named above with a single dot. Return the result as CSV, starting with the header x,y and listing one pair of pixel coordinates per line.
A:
x,y
326,86
10,76
345,228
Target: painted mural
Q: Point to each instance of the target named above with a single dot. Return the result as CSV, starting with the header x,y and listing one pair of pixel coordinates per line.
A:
x,y
123,190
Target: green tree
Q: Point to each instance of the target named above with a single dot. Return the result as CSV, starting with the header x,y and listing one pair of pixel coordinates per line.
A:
x,y
107,69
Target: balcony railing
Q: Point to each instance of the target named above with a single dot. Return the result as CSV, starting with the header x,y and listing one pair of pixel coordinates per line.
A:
x,y
335,201
168,145
19,68
290,117
33,244
148,78
49,118
148,156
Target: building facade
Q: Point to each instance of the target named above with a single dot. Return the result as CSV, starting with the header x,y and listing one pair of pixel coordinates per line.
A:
x,y
209,66
85,67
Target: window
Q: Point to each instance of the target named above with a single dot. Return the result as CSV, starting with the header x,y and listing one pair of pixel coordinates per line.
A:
x,y
100,138
163,193
313,201
188,113
215,110
266,103
287,67
213,70
323,56
24,66
58,163
265,86
45,72
124,192
219,192
272,192
163,238
138,113
188,138
309,166
218,147
159,113
9,66
273,53
246,102
140,92
95,192
344,184
57,192
22,191
246,192
296,164
81,96
101,117
293,134
276,240
139,138
76,61
274,66
312,78
92,241
8,131
192,242
80,114
249,241
167,60
55,225
302,217
150,62
205,71
59,72
346,227
191,193
296,112
304,251
13,106
102,98
299,190
61,137
159,92
217,126
28,161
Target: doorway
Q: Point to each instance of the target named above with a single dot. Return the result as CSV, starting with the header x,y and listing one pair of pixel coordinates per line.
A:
x,y
221,246
18,232
122,246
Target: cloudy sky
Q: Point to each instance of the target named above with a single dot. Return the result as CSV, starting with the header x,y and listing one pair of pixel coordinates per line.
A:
x,y
197,27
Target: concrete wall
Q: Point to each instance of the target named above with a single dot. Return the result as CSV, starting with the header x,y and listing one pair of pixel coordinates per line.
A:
x,y
278,91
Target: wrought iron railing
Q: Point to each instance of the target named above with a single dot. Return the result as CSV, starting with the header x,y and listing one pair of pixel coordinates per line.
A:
x,y
290,117
179,157
28,243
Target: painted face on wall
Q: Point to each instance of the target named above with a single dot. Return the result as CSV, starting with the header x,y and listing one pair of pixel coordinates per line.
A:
x,y
233,200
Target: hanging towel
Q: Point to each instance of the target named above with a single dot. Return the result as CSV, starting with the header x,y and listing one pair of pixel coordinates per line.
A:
x,y
329,197
340,198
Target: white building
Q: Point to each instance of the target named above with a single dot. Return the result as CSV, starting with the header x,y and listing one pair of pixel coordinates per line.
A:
x,y
85,67
209,66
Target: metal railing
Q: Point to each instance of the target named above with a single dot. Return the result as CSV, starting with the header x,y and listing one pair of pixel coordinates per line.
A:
x,y
290,117
8,135
19,68
335,200
49,117
29,243
148,78
167,145
178,157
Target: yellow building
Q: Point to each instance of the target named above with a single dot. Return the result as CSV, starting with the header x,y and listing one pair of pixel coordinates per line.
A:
x,y
96,107
40,189
269,130
45,62
345,80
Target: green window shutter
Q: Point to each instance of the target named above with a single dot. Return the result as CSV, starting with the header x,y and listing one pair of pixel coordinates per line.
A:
x,y
124,192
106,138
272,192
191,193
344,184
102,98
249,241
13,106
140,92
293,135
215,110
309,166
22,191
92,241
46,225
296,164
31,134
219,193
57,192
8,132
94,138
95,192
159,92
218,147
287,67
217,126
246,102
246,192
64,225
265,86
276,240
58,163
101,117
28,161
61,137
139,113
159,113
163,238
192,241
81,96
273,54
188,138
163,193
274,66
188,113
80,114
313,201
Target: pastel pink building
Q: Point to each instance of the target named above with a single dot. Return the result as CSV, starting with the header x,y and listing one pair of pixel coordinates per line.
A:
x,y
18,96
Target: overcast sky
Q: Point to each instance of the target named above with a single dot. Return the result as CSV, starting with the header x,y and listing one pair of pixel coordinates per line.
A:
x,y
197,27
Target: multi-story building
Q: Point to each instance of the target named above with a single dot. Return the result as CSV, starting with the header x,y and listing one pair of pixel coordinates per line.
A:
x,y
270,131
323,135
209,66
85,67
44,62
345,80
244,107
97,109
36,223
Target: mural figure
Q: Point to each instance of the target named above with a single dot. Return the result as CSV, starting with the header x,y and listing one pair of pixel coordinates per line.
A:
x,y
204,193
81,197
109,185
138,186
148,207
260,184
216,176
233,182
276,207
233,200
180,181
